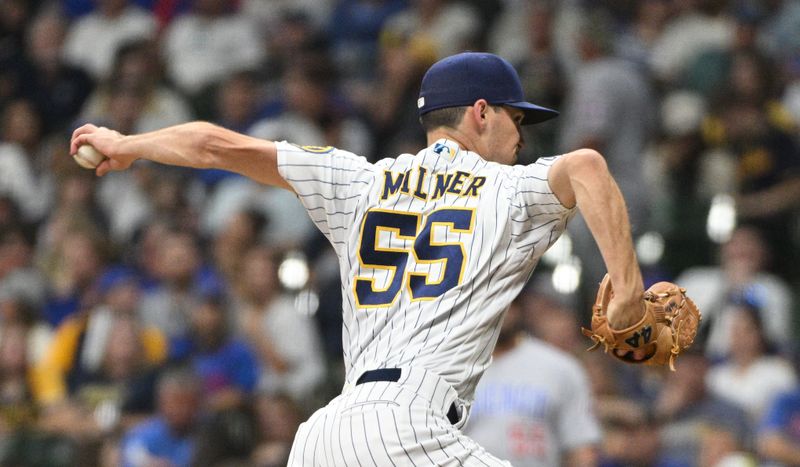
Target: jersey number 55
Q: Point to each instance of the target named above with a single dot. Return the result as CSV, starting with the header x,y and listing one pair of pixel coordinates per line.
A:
x,y
425,250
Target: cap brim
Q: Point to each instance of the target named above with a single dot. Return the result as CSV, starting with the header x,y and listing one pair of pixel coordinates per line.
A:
x,y
533,113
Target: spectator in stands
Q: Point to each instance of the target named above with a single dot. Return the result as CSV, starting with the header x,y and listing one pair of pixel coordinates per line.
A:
x,y
314,112
609,108
133,199
23,444
751,126
287,343
57,88
99,374
791,98
292,38
21,167
355,27
228,371
389,100
694,27
778,37
707,71
233,195
632,439
73,266
92,42
238,101
144,255
76,8
639,37
167,438
14,18
183,279
83,348
779,29
278,418
137,69
742,270
752,375
684,179
22,294
17,407
125,379
227,366
243,231
441,27
208,43
684,406
778,437
721,446
525,35
318,11
74,202
9,212
18,275
551,317
540,417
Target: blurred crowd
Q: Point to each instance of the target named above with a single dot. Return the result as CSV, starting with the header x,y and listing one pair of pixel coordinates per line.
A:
x,y
170,317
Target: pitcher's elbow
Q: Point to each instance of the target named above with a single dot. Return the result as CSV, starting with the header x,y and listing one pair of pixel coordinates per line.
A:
x,y
204,136
588,159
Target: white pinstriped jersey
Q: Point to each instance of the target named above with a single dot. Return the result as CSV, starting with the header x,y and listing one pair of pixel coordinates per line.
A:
x,y
432,248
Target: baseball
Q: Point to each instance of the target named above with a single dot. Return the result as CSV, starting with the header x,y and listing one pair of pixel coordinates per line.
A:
x,y
88,157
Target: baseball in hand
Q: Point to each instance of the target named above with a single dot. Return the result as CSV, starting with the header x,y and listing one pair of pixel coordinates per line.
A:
x,y
88,157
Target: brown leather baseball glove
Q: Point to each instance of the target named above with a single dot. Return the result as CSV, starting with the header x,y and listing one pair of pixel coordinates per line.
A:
x,y
668,326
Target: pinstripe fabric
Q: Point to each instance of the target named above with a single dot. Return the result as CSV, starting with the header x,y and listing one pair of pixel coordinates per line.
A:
x,y
397,226
389,424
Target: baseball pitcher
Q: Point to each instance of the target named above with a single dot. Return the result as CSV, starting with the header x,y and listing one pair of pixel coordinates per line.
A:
x,y
432,248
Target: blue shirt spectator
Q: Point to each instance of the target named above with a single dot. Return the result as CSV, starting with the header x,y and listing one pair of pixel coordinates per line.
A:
x,y
167,438
778,436
784,415
232,364
154,438
355,26
227,367
75,8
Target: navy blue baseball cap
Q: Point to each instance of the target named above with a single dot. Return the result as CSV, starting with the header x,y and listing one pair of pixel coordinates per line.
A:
x,y
462,79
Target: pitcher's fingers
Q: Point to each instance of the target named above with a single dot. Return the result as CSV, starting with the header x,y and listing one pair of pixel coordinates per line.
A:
x,y
111,165
82,130
85,128
104,167
79,141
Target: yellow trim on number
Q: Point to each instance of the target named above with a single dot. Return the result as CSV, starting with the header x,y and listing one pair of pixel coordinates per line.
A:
x,y
443,260
376,247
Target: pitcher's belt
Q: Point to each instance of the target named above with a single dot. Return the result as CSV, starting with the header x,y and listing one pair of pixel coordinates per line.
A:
x,y
393,375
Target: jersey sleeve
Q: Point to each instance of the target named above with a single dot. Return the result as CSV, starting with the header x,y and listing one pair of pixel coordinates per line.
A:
x,y
329,182
537,216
